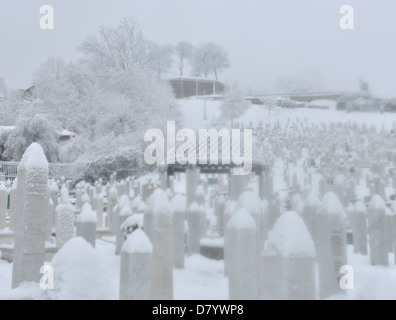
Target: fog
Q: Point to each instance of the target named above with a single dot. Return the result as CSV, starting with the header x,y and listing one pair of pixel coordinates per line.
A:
x,y
264,39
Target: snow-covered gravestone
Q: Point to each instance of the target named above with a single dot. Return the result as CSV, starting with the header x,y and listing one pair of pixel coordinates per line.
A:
x,y
29,244
219,212
192,182
311,205
161,239
112,199
86,224
288,261
252,204
243,273
54,193
124,213
79,193
389,228
179,212
194,228
377,231
49,219
3,205
330,243
99,209
64,219
359,228
136,267
13,204
230,209
297,204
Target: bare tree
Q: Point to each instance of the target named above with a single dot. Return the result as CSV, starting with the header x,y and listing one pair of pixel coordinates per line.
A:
x,y
124,48
210,58
184,51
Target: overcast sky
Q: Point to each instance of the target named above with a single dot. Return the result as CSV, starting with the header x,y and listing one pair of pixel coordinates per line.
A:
x,y
265,39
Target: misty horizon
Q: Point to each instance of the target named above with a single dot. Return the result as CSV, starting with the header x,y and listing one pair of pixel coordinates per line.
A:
x,y
265,41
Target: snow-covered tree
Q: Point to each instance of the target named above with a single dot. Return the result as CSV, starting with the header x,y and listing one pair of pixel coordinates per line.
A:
x,y
234,104
34,129
184,52
123,48
210,58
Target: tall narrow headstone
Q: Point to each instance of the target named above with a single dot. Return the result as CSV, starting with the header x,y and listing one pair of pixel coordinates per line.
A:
x,y
192,182
13,204
219,212
311,205
288,261
112,199
243,273
330,244
3,205
124,213
64,219
136,267
162,276
99,209
86,224
194,228
29,244
359,227
377,232
179,212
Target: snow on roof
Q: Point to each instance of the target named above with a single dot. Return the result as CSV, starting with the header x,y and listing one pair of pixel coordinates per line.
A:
x,y
242,219
290,238
331,205
87,214
34,158
137,242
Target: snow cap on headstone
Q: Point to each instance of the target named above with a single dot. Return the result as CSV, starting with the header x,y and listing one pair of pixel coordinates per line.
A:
x,y
290,237
64,196
124,201
34,158
159,203
125,211
242,219
135,220
137,242
54,186
250,202
331,205
14,184
87,214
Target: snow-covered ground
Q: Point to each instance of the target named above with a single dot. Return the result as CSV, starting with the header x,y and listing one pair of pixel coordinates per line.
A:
x,y
82,272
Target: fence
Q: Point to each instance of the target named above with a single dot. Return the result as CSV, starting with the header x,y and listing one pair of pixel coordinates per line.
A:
x,y
8,170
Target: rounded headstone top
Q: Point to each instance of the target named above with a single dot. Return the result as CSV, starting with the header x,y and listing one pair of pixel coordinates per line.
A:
x,y
312,199
290,238
137,242
34,158
87,214
242,219
159,203
250,202
125,211
123,201
331,205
